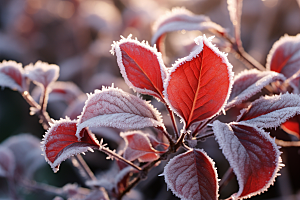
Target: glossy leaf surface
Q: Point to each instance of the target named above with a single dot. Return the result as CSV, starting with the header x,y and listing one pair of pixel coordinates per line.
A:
x,y
199,85
112,107
192,175
141,66
60,142
251,153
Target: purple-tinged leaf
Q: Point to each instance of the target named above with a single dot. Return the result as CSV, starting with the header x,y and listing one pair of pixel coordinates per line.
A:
x,y
60,142
192,175
199,85
112,107
294,82
138,146
284,57
27,152
271,111
252,154
181,19
12,76
42,73
122,179
250,82
141,66
7,162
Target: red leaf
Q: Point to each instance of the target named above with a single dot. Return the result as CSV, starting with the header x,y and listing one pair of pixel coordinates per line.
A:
x,y
60,142
7,162
42,73
139,146
192,175
284,57
112,107
11,75
250,82
181,19
141,66
199,85
251,153
122,179
292,126
271,111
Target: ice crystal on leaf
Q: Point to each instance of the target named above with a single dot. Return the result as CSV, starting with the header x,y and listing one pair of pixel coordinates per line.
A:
x,y
250,82
42,73
271,111
251,153
12,76
60,142
112,107
199,85
192,175
141,66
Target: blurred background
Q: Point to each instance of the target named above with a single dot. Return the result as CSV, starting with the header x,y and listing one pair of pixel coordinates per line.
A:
x,y
77,35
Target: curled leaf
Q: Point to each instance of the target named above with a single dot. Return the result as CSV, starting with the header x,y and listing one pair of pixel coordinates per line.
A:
x,y
250,82
60,142
199,85
271,111
138,145
284,57
42,73
12,76
192,175
182,19
112,107
251,153
141,66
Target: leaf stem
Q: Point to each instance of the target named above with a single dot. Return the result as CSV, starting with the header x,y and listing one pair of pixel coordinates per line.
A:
x,y
173,121
242,55
163,130
113,154
84,167
226,178
44,99
131,185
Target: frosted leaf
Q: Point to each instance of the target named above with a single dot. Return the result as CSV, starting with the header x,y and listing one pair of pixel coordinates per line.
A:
x,y
294,82
42,73
250,82
27,153
181,19
141,66
7,162
284,57
112,107
199,85
138,145
192,175
252,154
60,142
12,76
271,111
59,91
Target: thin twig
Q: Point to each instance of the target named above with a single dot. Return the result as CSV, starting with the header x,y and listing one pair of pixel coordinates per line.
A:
x,y
287,143
171,142
44,100
226,178
131,185
84,167
173,121
112,154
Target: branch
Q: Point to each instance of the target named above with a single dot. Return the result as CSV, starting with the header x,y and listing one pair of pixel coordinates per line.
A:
x,y
226,178
173,121
287,143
